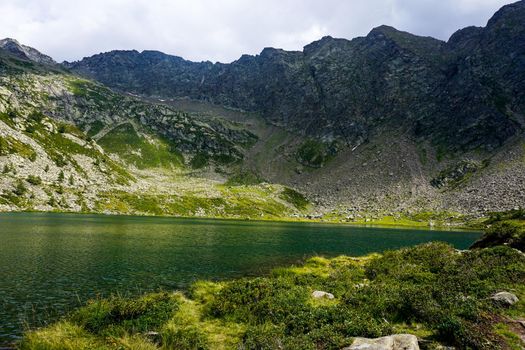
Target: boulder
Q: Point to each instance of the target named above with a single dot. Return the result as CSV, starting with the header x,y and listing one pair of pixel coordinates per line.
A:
x,y
392,342
505,298
318,294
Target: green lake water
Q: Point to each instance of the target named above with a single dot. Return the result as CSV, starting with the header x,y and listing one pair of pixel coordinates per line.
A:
x,y
51,263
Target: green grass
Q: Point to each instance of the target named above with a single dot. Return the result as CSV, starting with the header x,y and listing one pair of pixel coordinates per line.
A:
x,y
314,153
136,149
429,290
244,177
95,128
10,145
512,339
234,202
295,198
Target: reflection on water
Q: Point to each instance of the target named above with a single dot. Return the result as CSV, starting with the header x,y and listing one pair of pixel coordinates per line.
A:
x,y
50,263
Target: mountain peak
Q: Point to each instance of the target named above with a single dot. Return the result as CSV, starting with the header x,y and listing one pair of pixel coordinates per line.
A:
x,y
25,52
383,29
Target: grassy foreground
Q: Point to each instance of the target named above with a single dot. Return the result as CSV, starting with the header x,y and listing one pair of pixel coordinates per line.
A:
x,y
433,291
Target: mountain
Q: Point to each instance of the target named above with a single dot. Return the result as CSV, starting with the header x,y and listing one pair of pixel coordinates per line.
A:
x,y
25,52
391,125
463,94
70,144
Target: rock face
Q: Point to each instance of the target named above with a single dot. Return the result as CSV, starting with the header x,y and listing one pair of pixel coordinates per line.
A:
x,y
393,342
464,94
505,298
25,52
318,294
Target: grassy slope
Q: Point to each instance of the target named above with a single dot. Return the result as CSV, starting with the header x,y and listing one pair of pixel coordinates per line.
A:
x,y
139,151
429,290
136,170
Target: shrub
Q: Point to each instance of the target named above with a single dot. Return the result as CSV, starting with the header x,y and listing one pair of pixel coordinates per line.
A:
x,y
20,189
34,180
503,233
117,314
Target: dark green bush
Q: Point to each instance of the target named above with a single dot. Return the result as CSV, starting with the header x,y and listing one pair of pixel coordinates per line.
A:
x,y
34,180
501,233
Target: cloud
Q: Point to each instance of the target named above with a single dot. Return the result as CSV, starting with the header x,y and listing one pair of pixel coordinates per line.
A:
x,y
222,30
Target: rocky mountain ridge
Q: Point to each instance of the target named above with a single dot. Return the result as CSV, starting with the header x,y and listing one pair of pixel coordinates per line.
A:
x,y
462,94
25,52
388,125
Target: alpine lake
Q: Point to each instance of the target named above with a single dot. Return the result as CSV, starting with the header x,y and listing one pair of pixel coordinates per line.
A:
x,y
51,263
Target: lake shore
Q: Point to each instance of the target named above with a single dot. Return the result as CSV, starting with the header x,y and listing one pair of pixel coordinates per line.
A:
x,y
54,262
385,221
432,291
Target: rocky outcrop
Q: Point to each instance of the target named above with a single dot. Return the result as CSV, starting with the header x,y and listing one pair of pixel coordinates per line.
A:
x,y
25,52
393,342
505,298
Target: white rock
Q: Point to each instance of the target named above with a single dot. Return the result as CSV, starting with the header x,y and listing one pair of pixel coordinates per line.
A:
x,y
392,342
505,298
318,294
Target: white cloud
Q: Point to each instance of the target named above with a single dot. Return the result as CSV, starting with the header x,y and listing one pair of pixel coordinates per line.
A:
x,y
222,30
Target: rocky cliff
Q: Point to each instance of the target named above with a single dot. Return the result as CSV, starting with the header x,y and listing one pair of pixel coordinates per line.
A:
x,y
391,124
463,94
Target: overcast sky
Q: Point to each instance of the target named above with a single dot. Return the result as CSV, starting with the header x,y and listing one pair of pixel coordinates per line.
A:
x,y
222,30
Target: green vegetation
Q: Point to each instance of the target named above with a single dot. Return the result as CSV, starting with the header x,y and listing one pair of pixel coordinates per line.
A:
x,y
20,189
244,177
429,290
136,149
95,128
254,202
314,153
34,180
10,145
457,174
200,160
295,198
504,228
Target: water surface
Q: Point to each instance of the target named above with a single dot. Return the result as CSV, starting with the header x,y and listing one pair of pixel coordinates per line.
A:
x,y
50,263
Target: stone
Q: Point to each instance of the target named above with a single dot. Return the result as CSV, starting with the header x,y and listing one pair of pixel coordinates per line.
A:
x,y
392,342
505,298
318,294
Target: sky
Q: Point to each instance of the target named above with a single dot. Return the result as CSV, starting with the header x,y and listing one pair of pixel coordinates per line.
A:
x,y
222,30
